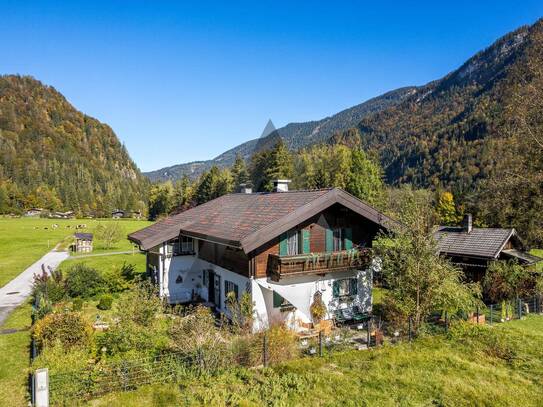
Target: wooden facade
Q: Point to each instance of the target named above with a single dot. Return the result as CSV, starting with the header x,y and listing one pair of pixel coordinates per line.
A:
x,y
266,260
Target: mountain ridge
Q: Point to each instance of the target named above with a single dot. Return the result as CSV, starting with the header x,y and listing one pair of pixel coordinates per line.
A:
x,y
310,132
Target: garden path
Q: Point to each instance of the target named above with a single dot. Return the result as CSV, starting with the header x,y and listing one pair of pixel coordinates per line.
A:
x,y
19,289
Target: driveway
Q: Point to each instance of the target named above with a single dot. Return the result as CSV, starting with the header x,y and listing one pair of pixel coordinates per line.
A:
x,y
18,290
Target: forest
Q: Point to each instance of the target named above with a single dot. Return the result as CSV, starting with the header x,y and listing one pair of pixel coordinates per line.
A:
x,y
57,158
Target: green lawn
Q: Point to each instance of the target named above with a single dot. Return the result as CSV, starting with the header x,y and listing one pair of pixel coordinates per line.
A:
x,y
430,371
538,252
106,263
24,240
15,358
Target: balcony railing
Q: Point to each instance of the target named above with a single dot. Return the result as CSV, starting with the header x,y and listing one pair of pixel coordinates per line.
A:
x,y
317,263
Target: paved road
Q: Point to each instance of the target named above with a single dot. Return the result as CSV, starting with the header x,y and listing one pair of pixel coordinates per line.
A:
x,y
18,290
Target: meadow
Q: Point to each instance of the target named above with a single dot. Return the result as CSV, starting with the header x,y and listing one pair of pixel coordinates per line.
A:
x,y
24,240
500,366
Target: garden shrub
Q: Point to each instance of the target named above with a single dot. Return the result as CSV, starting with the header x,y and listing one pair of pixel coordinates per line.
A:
x,y
84,281
142,305
77,304
196,337
105,302
482,338
42,308
282,344
69,329
50,285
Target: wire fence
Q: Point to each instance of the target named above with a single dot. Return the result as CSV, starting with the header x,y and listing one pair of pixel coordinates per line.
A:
x,y
260,350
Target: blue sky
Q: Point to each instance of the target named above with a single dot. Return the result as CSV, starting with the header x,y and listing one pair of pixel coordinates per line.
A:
x,y
180,82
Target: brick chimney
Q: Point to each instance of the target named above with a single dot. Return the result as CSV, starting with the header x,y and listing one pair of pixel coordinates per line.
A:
x,y
467,223
280,185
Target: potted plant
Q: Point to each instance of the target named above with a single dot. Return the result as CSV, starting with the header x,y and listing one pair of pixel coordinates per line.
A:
x,y
317,308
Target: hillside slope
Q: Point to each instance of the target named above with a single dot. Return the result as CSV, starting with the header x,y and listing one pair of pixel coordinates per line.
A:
x,y
442,133
295,135
54,156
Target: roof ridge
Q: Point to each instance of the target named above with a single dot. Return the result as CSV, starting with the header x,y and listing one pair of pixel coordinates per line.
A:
x,y
284,192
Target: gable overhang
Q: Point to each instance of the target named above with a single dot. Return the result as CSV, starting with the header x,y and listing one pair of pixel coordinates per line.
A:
x,y
264,235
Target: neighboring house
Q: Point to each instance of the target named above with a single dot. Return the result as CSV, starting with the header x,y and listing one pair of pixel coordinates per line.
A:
x,y
34,212
117,214
474,248
63,215
280,247
83,242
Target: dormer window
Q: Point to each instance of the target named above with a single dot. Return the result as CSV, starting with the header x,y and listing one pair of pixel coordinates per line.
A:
x,y
183,246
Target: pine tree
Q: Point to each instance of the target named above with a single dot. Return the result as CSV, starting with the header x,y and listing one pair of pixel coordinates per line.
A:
x,y
240,174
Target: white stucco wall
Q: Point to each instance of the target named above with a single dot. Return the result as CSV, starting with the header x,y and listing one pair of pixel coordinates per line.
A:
x,y
190,270
299,292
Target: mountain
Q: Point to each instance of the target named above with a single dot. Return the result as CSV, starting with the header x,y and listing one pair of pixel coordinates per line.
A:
x,y
295,135
444,133
53,156
438,134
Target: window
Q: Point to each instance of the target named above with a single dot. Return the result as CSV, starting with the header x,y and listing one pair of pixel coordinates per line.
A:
x,y
347,287
338,239
230,287
292,243
280,302
183,245
187,244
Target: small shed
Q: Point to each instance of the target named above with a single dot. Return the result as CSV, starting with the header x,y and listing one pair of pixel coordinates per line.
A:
x,y
83,242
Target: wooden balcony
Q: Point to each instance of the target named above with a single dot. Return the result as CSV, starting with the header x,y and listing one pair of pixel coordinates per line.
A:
x,y
317,263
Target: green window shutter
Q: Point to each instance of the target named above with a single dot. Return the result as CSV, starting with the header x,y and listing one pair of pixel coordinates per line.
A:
x,y
283,249
329,240
306,238
348,234
236,291
277,300
354,286
335,289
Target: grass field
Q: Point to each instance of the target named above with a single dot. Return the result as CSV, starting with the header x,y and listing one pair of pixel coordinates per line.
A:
x,y
14,358
24,240
538,252
430,371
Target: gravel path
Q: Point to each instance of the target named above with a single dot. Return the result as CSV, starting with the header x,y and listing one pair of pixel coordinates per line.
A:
x,y
18,290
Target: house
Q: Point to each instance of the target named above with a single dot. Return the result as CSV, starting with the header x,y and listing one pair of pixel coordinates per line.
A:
x,y
83,242
63,215
473,249
34,212
117,214
280,247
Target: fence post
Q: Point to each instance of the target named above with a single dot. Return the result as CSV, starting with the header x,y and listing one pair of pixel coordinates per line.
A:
x,y
409,329
320,343
369,333
265,350
446,321
477,310
519,309
491,313
41,388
